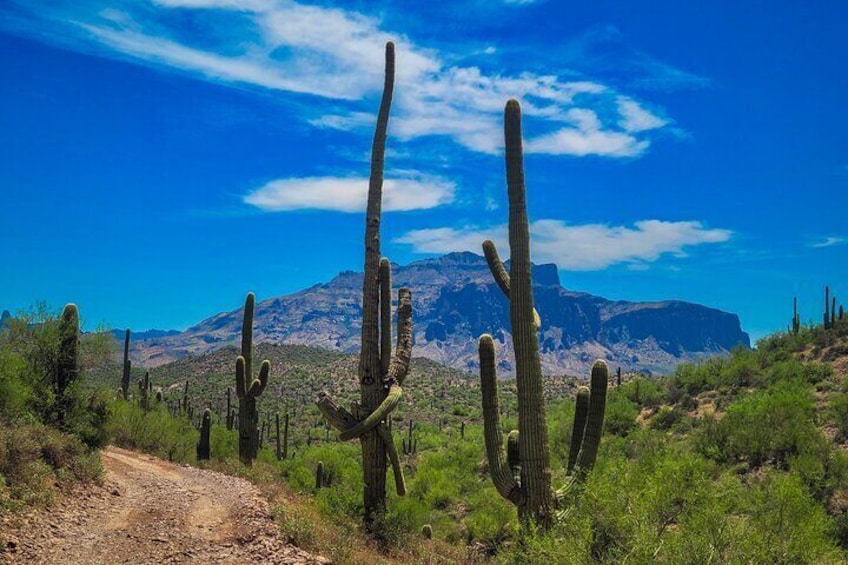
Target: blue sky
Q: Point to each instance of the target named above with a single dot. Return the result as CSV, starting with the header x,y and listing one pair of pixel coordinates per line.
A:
x,y
158,159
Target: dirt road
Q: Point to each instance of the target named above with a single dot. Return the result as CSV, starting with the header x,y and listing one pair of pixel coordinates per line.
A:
x,y
152,511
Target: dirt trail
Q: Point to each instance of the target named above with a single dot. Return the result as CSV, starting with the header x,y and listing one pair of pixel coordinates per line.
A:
x,y
152,511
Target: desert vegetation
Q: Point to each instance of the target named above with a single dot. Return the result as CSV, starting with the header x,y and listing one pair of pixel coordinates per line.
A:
x,y
732,460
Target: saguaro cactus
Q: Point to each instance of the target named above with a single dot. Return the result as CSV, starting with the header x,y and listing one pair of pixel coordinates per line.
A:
x,y
827,307
203,443
248,388
380,374
67,366
796,319
144,387
528,454
229,417
125,377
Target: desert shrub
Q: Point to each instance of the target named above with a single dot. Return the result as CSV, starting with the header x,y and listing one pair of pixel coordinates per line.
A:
x,y
773,424
666,417
153,431
620,415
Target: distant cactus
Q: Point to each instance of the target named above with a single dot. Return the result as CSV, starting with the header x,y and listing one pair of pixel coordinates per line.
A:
x,y
319,475
527,448
827,307
203,443
833,312
229,410
796,319
185,398
144,387
125,377
381,375
409,444
248,388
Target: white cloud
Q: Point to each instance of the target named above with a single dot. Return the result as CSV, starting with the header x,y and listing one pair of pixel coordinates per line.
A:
x,y
349,194
586,137
635,118
589,247
830,242
337,54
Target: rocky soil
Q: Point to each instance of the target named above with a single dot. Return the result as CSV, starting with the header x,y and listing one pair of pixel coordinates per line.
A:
x,y
151,511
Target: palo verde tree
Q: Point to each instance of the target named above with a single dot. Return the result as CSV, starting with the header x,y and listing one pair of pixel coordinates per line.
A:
x,y
380,375
527,448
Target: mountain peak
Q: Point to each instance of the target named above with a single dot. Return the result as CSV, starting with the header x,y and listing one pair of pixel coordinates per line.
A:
x,y
455,300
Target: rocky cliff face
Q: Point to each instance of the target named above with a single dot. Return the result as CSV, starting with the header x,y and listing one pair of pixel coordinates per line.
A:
x,y
454,301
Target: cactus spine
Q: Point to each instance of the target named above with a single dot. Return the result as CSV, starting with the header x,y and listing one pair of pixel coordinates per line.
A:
x,y
381,375
248,388
125,377
203,442
527,450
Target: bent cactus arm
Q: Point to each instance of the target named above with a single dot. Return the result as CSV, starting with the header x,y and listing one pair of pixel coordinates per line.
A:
x,y
499,468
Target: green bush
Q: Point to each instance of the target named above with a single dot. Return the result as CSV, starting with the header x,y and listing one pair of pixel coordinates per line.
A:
x,y
620,415
773,424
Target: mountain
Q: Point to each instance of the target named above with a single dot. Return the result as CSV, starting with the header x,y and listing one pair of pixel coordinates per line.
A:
x,y
148,334
454,301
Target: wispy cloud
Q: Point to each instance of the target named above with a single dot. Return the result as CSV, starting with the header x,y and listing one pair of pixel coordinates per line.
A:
x,y
337,54
605,51
830,241
589,247
411,191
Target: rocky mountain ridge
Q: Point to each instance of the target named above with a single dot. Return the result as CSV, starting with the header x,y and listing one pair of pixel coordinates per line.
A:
x,y
454,301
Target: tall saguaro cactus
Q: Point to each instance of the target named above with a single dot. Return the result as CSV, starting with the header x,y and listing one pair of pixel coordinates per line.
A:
x,y
67,366
125,376
381,375
248,388
531,491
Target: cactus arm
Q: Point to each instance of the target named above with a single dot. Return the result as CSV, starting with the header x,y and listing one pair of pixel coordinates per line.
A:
x,y
496,267
391,451
377,416
241,383
385,278
499,470
341,419
579,427
595,419
247,334
512,457
403,351
257,387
